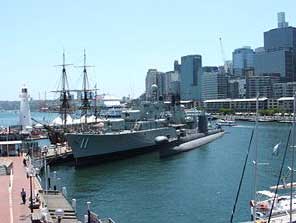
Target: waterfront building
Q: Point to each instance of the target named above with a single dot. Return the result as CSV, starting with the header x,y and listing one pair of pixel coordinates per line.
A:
x,y
286,104
262,85
279,54
190,77
214,83
237,105
243,58
247,105
272,103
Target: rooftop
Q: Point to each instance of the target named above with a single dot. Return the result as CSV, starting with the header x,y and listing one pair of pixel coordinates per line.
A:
x,y
286,99
235,100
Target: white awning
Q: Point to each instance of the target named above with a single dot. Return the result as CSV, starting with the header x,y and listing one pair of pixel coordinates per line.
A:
x,y
16,142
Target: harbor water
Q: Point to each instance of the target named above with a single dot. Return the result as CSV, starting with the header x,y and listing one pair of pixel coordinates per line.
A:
x,y
197,186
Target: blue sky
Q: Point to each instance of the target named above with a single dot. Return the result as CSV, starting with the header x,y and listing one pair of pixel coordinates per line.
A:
x,y
123,39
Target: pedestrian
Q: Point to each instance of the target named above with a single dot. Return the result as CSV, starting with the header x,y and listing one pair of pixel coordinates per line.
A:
x,y
27,172
23,195
25,162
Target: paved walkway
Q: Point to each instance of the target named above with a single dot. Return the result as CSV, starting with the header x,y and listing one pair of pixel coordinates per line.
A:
x,y
11,207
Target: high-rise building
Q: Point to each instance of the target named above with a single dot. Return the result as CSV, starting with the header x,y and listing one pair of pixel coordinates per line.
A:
x,y
154,77
233,89
262,85
214,84
237,88
242,59
160,85
177,66
279,54
287,89
282,20
168,84
190,77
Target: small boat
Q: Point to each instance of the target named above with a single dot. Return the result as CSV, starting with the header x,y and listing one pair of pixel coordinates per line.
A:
x,y
223,122
264,205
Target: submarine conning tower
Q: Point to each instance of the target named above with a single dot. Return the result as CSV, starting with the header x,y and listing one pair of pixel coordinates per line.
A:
x,y
203,123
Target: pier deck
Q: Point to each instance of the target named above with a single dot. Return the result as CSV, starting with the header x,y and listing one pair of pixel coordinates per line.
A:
x,y
11,207
56,200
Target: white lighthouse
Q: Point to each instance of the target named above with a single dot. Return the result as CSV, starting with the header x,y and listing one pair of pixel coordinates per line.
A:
x,y
25,114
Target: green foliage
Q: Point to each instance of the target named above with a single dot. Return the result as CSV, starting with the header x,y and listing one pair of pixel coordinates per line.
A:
x,y
226,111
270,112
200,108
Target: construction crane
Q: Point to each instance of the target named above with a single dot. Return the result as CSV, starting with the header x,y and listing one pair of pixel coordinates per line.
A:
x,y
223,56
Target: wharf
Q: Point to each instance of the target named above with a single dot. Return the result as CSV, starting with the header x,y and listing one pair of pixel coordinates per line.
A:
x,y
11,207
251,118
59,154
55,200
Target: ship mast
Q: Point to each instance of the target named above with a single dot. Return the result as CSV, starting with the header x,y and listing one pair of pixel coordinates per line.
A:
x,y
256,159
85,105
64,93
293,157
96,106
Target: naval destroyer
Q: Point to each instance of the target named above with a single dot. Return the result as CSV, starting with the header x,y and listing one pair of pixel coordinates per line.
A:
x,y
136,132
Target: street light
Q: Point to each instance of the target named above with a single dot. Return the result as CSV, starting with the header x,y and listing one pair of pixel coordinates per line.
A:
x,y
88,211
59,213
30,173
54,180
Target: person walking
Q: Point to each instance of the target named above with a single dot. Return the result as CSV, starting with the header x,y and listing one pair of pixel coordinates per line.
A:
x,y
23,195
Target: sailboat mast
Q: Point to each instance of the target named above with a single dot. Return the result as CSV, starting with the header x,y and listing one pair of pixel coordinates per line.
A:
x,y
292,158
256,159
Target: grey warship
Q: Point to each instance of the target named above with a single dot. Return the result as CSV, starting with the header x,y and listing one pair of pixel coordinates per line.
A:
x,y
134,133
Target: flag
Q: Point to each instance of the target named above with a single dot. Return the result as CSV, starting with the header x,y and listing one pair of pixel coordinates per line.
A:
x,y
275,150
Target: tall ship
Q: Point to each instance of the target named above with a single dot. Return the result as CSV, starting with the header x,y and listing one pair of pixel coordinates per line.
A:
x,y
68,107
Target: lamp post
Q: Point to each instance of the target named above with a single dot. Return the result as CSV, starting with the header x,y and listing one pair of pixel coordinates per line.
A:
x,y
57,183
30,173
54,180
44,152
59,213
88,211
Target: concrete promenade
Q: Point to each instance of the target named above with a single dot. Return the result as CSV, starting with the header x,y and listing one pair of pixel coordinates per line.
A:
x,y
11,207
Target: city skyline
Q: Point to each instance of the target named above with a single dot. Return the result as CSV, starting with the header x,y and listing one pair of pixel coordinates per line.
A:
x,y
131,38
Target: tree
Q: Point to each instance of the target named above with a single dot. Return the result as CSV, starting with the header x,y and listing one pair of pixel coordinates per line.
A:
x,y
226,111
